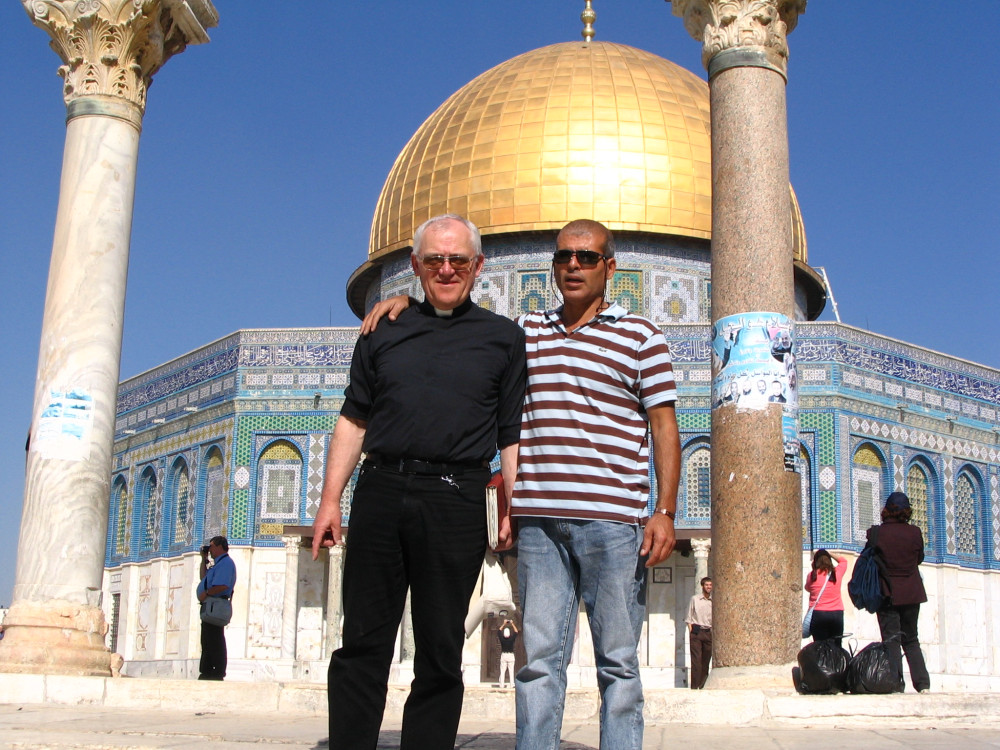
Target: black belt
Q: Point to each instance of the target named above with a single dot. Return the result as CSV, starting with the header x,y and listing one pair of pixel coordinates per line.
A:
x,y
419,466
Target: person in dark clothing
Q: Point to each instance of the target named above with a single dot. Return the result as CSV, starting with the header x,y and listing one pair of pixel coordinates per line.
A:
x,y
432,397
901,546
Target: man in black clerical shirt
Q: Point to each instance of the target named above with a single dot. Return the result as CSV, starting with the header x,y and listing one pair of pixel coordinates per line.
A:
x,y
432,397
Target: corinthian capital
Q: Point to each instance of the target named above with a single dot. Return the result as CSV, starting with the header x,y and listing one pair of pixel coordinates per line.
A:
x,y
760,26
112,48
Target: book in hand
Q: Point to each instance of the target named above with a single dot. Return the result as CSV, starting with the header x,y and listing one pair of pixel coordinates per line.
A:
x,y
496,508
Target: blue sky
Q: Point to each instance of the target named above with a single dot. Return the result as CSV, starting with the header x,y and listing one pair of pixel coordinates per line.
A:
x,y
263,153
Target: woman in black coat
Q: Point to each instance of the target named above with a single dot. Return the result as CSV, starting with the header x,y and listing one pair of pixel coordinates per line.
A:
x,y
901,546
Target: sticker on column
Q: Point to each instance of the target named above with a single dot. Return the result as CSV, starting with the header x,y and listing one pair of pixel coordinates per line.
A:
x,y
754,364
65,425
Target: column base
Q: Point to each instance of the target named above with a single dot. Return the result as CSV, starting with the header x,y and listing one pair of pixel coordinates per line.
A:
x,y
768,676
57,637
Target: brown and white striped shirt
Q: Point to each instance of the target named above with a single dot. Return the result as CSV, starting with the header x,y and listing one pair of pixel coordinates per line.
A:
x,y
584,450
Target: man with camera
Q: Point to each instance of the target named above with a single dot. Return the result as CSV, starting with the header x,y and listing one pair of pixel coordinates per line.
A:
x,y
217,581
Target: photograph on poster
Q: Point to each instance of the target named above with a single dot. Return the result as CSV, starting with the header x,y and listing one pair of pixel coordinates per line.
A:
x,y
754,361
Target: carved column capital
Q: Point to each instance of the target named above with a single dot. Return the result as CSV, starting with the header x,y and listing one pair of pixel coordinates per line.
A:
x,y
112,48
741,32
701,547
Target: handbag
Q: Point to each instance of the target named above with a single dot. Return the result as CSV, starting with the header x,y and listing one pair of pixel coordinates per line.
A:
x,y
808,619
216,611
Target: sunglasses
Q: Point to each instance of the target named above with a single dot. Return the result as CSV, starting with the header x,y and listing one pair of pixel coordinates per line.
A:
x,y
586,258
434,262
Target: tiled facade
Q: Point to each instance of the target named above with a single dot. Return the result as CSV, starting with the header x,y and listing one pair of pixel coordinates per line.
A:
x,y
220,440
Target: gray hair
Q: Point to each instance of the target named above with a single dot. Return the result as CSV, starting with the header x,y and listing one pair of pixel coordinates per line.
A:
x,y
476,238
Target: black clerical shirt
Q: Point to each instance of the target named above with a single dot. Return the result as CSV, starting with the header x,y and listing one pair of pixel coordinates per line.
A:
x,y
439,388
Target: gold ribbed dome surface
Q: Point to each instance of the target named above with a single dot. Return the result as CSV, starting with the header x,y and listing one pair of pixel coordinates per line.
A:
x,y
574,130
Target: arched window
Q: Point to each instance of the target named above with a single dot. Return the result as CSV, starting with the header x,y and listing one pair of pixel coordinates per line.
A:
x,y
123,513
150,531
697,480
280,481
867,472
918,489
214,489
966,505
182,503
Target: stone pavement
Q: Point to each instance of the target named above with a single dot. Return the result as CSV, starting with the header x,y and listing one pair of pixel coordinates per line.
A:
x,y
111,714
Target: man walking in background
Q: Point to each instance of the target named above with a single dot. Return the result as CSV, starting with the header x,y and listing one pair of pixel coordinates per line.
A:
x,y
699,621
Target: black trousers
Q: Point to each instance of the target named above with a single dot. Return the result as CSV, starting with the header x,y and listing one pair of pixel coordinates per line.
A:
x,y
701,655
213,652
827,624
428,534
898,625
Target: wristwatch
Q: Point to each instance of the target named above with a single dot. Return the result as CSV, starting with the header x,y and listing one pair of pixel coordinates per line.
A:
x,y
668,513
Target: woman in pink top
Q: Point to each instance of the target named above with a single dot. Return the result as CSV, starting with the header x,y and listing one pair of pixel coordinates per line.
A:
x,y
828,617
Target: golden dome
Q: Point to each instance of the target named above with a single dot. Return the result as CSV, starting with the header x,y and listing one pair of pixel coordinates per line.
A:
x,y
573,130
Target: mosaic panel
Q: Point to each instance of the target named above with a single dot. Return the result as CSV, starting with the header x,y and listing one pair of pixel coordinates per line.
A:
x,y
533,292
949,505
315,470
214,492
491,293
805,493
966,507
897,471
918,490
688,420
697,485
625,288
823,424
828,515
239,527
866,489
995,513
677,297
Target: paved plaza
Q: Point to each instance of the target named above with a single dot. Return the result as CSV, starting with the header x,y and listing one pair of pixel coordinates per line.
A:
x,y
58,726
110,714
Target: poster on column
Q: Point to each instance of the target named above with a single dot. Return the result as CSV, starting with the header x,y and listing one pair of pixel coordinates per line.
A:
x,y
64,426
754,361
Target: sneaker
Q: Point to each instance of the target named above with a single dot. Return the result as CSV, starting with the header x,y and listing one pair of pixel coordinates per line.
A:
x,y
924,690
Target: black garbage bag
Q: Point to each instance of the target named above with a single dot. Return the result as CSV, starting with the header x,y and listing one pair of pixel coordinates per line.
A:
x,y
872,671
823,667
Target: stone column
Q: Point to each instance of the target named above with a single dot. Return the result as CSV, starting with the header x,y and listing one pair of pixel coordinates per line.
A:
x,y
110,50
756,535
701,548
334,599
290,600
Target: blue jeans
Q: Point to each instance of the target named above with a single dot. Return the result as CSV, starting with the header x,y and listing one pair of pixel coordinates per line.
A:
x,y
560,562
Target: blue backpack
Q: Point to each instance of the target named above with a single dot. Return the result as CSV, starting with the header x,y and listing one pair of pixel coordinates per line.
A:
x,y
865,586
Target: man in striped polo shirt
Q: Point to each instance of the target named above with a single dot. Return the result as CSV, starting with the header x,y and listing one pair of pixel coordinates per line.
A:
x,y
599,380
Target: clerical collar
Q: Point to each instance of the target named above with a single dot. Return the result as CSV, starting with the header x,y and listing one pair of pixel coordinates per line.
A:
x,y
427,308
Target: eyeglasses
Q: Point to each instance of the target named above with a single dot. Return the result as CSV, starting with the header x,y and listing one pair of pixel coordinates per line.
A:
x,y
434,262
586,258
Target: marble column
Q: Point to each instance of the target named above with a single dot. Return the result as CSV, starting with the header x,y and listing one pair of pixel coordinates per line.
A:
x,y
110,50
756,532
701,548
290,600
334,599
